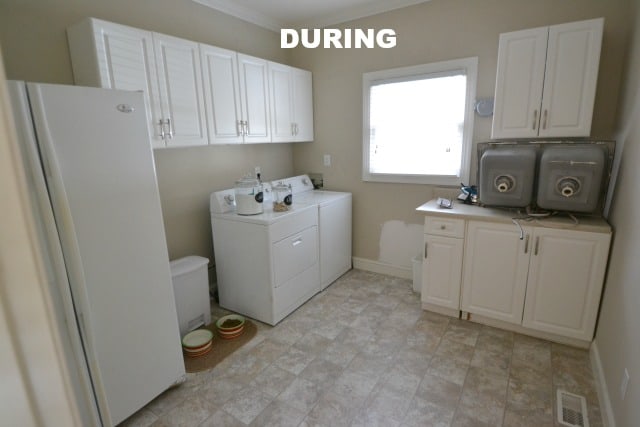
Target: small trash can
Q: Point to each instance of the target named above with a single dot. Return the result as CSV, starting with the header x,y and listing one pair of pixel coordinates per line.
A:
x,y
417,274
191,290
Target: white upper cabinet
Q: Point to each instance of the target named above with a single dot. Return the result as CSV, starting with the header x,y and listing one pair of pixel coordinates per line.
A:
x,y
114,56
254,95
282,109
222,95
195,94
291,103
237,96
181,94
167,69
546,80
519,82
303,104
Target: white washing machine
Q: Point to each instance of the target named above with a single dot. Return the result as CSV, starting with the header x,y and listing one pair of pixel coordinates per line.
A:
x,y
267,265
334,225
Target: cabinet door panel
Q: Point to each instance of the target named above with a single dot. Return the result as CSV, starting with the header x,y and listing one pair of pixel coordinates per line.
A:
x,y
565,282
519,82
125,60
573,58
254,92
280,84
179,73
495,271
303,104
442,271
222,94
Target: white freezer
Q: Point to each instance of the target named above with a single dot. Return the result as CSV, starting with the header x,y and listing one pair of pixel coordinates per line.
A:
x,y
100,176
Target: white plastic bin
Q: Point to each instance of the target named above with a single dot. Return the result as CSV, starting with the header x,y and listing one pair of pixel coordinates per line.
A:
x,y
417,274
191,290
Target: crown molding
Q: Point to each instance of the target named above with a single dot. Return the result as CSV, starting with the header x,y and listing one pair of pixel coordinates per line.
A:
x,y
231,7
357,12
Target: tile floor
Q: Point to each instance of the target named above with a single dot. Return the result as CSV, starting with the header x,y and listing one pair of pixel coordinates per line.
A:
x,y
363,353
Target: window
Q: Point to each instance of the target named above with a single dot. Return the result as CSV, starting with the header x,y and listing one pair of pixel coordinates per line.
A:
x,y
418,122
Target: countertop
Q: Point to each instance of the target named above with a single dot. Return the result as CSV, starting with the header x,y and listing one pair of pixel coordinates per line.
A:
x,y
475,212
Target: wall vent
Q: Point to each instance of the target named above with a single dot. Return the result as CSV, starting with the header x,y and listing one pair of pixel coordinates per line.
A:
x,y
572,409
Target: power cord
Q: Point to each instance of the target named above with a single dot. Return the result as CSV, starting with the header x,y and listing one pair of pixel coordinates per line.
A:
x,y
536,216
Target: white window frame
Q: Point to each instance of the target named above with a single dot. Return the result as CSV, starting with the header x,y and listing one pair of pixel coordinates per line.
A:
x,y
469,66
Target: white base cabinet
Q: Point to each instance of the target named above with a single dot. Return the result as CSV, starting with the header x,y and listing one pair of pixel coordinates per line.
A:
x,y
566,273
544,278
442,265
549,281
495,272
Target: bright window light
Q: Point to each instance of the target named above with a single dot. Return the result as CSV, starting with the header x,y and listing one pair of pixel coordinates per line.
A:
x,y
418,123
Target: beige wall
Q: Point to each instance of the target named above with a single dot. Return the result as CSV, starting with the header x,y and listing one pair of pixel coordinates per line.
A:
x,y
34,47
617,337
33,39
433,31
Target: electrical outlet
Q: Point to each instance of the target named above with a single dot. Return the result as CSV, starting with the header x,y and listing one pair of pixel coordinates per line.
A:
x,y
327,160
624,383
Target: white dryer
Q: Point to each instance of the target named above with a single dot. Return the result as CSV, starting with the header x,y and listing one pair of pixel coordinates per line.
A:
x,y
266,264
334,225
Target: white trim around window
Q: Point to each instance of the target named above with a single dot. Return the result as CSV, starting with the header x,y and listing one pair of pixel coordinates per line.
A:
x,y
457,172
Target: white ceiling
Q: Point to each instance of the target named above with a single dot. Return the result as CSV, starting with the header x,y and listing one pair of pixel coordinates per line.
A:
x,y
277,14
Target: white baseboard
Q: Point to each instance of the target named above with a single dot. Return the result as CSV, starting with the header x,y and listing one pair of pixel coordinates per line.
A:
x,y
382,268
601,386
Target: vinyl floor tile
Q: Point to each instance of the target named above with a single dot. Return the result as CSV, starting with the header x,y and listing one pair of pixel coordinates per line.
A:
x,y
364,353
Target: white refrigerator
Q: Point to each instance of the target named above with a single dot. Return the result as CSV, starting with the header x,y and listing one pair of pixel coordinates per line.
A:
x,y
92,184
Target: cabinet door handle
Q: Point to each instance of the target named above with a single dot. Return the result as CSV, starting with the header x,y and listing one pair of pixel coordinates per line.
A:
x,y
535,119
544,119
161,124
425,250
246,127
170,128
526,244
239,131
535,251
297,241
